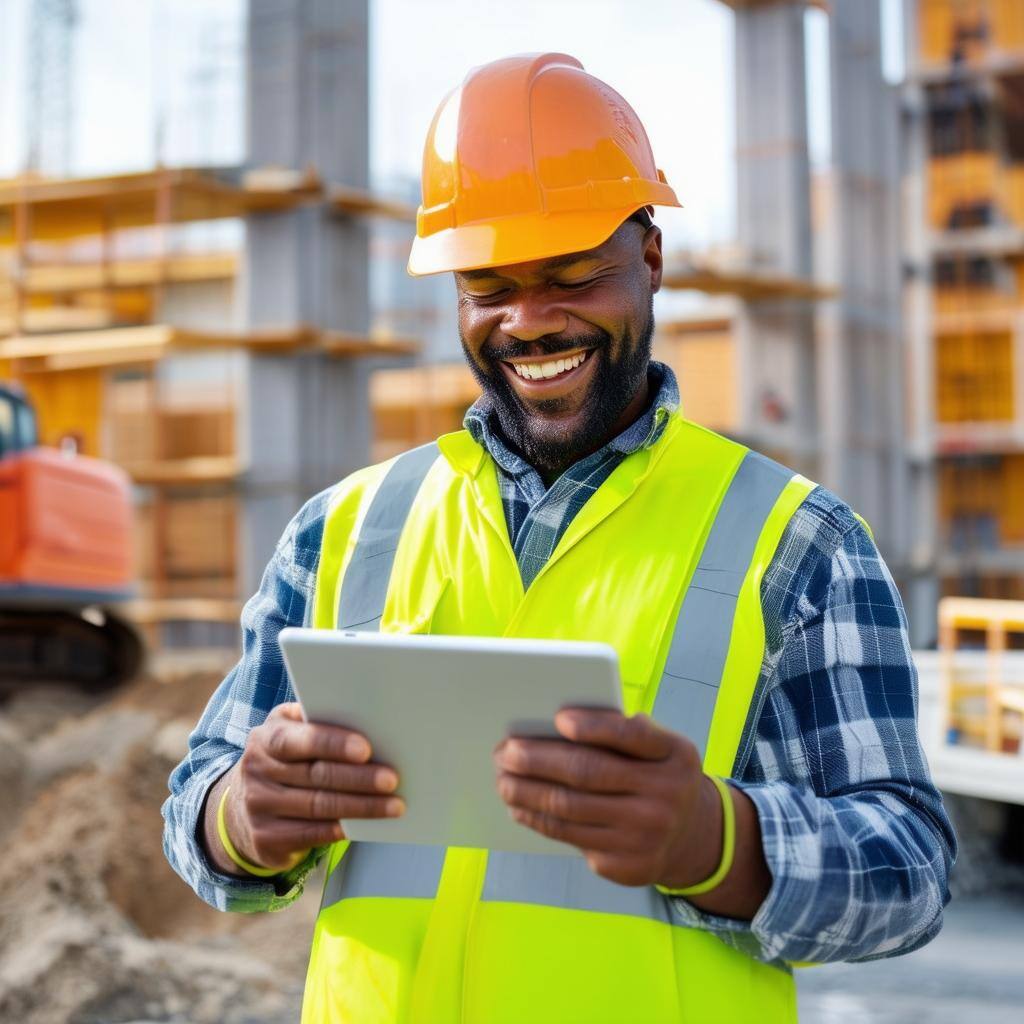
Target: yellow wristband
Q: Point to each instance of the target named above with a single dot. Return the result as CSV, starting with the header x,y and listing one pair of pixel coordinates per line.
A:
x,y
728,847
229,849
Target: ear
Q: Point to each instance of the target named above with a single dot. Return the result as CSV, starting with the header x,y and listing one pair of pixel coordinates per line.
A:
x,y
653,259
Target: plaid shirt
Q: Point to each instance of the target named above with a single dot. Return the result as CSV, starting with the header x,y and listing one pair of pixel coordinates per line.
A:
x,y
853,830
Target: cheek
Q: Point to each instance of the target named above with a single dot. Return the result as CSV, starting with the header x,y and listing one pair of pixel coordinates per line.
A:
x,y
474,329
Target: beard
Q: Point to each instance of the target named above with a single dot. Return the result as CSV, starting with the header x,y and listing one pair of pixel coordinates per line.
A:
x,y
549,443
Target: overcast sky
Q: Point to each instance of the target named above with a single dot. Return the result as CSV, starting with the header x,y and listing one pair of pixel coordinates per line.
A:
x,y
165,75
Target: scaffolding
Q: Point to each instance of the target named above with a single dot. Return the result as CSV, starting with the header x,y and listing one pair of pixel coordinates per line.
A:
x,y
50,87
230,384
965,92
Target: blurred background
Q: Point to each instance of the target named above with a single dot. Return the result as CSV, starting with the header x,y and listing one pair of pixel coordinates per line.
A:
x,y
206,207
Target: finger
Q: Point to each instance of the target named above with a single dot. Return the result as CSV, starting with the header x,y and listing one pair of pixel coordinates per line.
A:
x,y
637,736
623,869
333,775
290,709
586,837
571,764
276,843
286,802
572,805
287,740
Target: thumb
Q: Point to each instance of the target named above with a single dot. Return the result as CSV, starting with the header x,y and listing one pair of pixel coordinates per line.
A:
x,y
291,710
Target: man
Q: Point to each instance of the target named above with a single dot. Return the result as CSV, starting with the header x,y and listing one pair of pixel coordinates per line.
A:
x,y
760,637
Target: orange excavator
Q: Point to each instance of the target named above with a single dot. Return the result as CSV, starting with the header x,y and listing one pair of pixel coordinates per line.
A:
x,y
65,561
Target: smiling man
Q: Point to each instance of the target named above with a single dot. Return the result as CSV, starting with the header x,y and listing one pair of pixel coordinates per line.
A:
x,y
763,802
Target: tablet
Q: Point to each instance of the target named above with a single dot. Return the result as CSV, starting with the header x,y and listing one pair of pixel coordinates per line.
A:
x,y
435,707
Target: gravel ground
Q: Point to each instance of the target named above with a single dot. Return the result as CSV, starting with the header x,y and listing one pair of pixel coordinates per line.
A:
x,y
973,973
96,929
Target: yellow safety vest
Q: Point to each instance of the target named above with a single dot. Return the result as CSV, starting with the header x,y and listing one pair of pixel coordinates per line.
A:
x,y
664,562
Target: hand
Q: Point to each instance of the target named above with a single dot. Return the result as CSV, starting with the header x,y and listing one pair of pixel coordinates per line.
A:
x,y
293,782
628,793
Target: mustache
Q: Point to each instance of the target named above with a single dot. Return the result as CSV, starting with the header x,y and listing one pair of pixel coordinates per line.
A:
x,y
550,346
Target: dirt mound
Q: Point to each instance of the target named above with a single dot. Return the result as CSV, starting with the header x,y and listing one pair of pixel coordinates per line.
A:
x,y
94,925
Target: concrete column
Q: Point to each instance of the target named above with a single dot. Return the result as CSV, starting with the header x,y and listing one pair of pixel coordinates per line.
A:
x,y
922,510
306,420
775,338
860,337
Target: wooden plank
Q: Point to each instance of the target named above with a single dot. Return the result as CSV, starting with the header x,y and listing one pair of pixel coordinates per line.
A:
x,y
993,64
200,469
744,284
978,613
203,609
749,5
964,321
60,278
48,319
694,325
343,344
67,208
347,200
132,345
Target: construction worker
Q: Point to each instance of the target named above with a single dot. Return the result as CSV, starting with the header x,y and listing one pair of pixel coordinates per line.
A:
x,y
763,803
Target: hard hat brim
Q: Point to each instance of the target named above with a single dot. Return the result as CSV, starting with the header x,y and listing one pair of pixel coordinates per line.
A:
x,y
516,239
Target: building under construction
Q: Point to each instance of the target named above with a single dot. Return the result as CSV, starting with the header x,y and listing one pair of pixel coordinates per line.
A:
x,y
864,327
964,119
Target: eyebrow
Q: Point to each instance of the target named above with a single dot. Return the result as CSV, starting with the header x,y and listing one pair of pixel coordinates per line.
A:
x,y
555,263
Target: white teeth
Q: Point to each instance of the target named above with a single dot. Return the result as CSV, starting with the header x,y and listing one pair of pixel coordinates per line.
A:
x,y
545,371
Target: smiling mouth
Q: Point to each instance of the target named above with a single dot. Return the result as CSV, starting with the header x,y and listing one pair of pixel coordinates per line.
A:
x,y
551,369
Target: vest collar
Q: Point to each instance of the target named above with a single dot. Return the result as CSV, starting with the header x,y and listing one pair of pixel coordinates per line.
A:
x,y
467,456
464,455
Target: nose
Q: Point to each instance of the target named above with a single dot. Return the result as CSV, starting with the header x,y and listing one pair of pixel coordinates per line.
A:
x,y
531,315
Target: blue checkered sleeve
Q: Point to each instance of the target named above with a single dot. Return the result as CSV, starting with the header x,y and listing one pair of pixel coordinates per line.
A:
x,y
242,701
853,829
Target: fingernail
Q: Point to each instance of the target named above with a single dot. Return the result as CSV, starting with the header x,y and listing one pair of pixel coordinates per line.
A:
x,y
357,748
393,808
566,724
385,780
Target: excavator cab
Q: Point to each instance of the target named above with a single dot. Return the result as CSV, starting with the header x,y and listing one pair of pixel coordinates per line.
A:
x,y
65,561
18,431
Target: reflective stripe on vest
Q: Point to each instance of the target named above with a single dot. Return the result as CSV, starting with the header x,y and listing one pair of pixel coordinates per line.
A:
x,y
685,700
385,869
365,586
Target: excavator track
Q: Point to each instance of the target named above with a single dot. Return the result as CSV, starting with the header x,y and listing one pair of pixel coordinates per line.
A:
x,y
90,647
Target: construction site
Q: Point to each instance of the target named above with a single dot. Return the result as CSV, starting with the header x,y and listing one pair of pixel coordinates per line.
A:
x,y
209,344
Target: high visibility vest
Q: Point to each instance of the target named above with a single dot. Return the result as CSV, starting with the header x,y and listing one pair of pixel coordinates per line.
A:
x,y
664,562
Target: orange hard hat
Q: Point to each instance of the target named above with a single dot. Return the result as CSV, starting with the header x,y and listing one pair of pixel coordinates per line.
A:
x,y
530,158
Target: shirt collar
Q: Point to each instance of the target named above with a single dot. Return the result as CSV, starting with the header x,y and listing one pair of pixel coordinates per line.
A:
x,y
643,432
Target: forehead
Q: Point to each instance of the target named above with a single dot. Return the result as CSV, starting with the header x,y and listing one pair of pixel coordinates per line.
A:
x,y
610,250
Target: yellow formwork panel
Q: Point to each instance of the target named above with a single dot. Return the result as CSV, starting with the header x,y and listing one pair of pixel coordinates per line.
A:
x,y
935,21
1008,24
1011,509
67,405
974,377
959,180
1014,188
704,363
970,28
991,487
